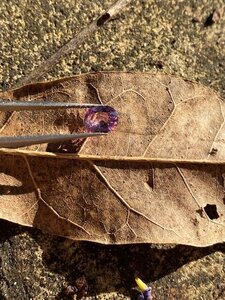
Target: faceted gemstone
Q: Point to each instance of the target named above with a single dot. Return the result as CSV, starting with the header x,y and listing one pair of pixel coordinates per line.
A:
x,y
145,295
100,119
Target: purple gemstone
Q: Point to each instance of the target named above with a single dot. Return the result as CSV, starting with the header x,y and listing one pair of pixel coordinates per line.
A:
x,y
100,119
147,294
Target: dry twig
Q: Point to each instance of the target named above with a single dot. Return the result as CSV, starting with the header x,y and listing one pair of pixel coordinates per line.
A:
x,y
47,65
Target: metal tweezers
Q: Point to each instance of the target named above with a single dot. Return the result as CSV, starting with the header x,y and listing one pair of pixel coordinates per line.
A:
x,y
23,141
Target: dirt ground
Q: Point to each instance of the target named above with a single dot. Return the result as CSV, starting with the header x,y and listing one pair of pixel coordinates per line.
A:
x,y
185,38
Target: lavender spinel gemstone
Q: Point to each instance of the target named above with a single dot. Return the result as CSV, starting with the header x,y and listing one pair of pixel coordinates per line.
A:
x,y
146,295
100,119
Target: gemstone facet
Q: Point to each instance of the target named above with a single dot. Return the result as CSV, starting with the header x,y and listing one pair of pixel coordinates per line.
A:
x,y
100,119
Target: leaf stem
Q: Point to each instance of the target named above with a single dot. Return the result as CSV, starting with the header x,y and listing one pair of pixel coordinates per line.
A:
x,y
83,35
4,151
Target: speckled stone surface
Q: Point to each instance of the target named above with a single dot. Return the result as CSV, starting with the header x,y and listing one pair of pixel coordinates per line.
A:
x,y
173,37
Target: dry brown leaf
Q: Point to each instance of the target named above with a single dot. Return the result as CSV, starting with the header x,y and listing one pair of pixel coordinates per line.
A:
x,y
159,177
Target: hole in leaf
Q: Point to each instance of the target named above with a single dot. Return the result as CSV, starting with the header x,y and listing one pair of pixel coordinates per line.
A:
x,y
101,21
209,20
213,151
211,211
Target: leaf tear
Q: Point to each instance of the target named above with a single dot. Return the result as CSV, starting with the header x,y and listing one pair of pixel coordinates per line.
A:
x,y
211,211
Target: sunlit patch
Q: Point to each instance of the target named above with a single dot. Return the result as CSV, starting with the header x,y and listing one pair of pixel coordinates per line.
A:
x,y
9,184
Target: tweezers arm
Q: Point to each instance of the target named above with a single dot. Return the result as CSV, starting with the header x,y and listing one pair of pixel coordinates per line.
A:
x,y
23,141
41,105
